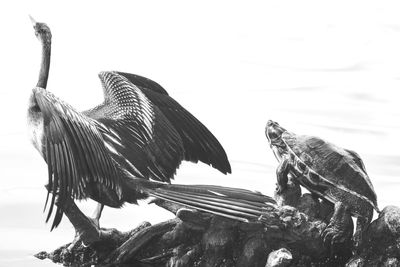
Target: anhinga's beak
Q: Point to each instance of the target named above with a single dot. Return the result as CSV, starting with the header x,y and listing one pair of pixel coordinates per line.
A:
x,y
33,21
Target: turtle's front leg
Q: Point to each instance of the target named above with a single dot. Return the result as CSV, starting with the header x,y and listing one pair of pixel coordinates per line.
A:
x,y
362,224
340,227
282,174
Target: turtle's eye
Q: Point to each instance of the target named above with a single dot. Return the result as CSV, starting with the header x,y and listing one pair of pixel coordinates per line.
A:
x,y
273,135
273,132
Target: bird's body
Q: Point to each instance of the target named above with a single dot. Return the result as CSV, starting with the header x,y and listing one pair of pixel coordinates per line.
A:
x,y
108,152
35,124
91,154
120,173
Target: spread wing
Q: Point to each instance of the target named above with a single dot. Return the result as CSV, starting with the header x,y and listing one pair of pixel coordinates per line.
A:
x,y
142,140
199,143
74,151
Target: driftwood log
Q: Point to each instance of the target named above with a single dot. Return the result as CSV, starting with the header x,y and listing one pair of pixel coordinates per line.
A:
x,y
382,247
288,235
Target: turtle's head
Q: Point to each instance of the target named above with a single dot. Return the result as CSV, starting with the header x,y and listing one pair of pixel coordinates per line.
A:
x,y
274,132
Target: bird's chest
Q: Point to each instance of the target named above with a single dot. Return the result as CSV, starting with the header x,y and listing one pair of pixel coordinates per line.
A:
x,y
36,129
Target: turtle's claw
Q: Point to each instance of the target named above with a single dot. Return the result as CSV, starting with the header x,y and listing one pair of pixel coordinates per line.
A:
x,y
331,237
337,239
327,235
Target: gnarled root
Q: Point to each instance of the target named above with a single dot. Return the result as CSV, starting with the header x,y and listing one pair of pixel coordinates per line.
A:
x,y
199,239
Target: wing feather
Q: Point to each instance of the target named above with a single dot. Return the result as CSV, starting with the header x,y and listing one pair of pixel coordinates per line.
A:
x,y
199,143
234,203
144,82
75,153
54,182
141,138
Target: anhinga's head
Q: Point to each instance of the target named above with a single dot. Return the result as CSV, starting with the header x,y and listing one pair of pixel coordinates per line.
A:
x,y
42,32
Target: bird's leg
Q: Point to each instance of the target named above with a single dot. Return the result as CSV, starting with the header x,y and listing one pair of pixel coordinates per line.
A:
x,y
282,174
97,214
86,230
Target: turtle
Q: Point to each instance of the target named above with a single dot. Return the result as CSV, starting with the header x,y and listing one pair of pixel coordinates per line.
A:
x,y
332,173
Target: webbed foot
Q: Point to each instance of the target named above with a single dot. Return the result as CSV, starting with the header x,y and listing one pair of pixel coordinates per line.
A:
x,y
87,230
87,235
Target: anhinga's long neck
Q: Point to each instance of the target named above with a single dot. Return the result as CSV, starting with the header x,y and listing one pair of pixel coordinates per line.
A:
x,y
45,64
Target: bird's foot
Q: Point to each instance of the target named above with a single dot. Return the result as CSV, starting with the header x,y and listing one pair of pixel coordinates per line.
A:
x,y
87,229
86,237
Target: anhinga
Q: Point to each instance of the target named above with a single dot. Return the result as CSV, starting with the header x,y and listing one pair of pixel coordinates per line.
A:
x,y
109,153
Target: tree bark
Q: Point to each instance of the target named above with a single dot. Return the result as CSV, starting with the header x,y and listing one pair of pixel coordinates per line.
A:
x,y
283,235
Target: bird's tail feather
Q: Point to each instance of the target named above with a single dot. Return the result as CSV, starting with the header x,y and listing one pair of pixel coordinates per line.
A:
x,y
239,204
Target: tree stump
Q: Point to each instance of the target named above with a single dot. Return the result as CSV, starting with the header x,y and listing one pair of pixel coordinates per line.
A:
x,y
283,236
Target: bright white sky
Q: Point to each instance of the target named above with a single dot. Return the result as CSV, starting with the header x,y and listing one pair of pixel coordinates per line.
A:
x,y
327,69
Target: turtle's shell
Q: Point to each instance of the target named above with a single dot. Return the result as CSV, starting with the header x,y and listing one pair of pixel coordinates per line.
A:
x,y
328,165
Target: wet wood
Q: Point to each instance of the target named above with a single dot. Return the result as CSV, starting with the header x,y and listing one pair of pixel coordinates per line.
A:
x,y
284,236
